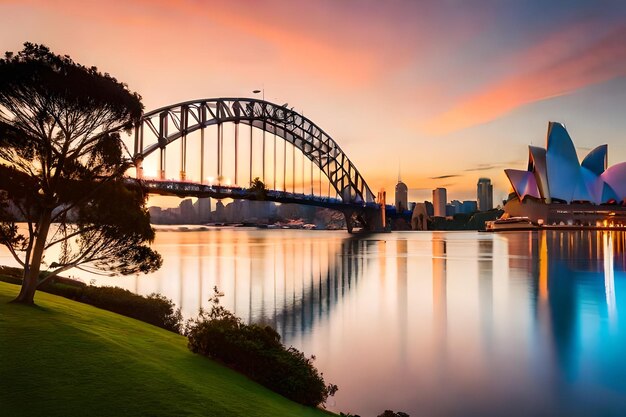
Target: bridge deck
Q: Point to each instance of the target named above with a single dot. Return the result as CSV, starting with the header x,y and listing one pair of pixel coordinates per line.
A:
x,y
189,189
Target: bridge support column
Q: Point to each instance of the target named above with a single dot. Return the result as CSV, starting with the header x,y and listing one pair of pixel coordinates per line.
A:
x,y
162,164
374,220
369,219
183,157
349,220
382,202
202,180
138,169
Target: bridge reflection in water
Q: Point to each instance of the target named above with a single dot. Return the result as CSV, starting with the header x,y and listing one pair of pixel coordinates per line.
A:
x,y
288,282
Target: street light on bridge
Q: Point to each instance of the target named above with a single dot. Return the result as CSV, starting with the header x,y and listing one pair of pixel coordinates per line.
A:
x,y
260,91
263,154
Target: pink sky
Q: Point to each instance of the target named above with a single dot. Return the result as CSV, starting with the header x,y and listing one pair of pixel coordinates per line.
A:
x,y
448,92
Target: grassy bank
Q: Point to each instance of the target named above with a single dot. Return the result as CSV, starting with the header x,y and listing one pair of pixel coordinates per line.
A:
x,y
64,358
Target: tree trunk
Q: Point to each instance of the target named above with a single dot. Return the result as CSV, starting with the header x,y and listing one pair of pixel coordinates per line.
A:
x,y
27,292
30,279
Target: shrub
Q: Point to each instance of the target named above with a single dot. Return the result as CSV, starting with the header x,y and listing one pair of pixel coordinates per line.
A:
x,y
73,292
257,352
390,413
11,279
155,309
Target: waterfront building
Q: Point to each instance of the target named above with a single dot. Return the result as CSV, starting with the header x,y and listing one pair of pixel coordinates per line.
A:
x,y
469,206
187,213
203,209
484,194
439,202
558,189
419,218
402,197
429,208
458,206
220,215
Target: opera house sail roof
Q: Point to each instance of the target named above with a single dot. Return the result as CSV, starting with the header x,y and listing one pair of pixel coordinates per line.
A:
x,y
555,174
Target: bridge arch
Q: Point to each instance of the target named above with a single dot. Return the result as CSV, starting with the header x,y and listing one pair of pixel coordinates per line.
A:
x,y
171,123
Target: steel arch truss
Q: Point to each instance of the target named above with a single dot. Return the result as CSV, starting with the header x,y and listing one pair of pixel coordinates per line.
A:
x,y
174,122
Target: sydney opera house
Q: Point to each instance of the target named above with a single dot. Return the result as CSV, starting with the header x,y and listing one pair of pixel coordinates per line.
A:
x,y
557,189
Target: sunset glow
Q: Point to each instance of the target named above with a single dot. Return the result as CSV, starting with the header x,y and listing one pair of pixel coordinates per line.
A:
x,y
449,92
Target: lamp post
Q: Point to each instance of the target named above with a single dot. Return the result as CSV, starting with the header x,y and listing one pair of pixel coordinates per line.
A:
x,y
262,91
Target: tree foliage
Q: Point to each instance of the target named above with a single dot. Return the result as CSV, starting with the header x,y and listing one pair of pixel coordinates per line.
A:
x,y
259,188
62,166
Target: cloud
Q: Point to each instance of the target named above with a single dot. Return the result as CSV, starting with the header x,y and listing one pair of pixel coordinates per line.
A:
x,y
259,34
484,167
316,44
441,177
603,60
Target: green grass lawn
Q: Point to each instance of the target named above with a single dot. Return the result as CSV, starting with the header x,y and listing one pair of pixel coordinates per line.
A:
x,y
63,358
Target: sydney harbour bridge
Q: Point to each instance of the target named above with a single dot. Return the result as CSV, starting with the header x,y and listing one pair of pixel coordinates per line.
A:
x,y
213,154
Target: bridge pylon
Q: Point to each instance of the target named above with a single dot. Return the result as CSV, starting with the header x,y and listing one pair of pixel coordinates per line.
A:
x,y
138,168
369,219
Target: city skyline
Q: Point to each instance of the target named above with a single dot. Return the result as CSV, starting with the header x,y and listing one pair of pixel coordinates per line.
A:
x,y
468,93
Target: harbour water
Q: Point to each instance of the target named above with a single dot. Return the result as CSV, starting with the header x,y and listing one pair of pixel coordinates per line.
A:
x,y
429,323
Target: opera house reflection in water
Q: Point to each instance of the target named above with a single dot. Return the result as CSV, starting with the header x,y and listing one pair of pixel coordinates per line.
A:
x,y
433,323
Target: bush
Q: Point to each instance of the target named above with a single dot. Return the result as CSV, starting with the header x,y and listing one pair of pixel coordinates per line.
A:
x,y
73,292
390,413
257,352
155,309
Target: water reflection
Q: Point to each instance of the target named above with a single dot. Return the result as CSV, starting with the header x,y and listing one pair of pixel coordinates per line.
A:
x,y
324,285
577,335
461,323
289,279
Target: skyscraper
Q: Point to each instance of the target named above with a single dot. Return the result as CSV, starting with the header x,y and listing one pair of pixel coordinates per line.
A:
x,y
402,198
484,194
439,202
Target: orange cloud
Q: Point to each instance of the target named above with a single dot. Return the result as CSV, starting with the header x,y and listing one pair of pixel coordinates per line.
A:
x,y
304,43
602,61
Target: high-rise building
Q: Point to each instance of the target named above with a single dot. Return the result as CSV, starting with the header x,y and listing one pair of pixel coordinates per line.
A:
x,y
187,213
220,214
203,209
484,194
402,197
439,202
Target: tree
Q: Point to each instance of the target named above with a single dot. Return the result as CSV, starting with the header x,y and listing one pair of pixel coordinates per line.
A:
x,y
258,187
62,169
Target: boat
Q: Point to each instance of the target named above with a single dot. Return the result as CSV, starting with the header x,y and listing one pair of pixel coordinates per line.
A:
x,y
510,223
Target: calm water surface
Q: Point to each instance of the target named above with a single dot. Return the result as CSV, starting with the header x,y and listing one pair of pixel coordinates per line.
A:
x,y
433,324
